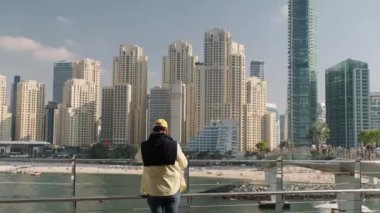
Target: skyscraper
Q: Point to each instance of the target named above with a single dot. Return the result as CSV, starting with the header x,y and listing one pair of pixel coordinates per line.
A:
x,y
254,112
107,114
49,120
272,108
30,111
169,104
302,81
257,69
5,116
63,71
121,110
89,70
224,72
374,110
130,66
13,105
179,67
347,102
74,121
159,106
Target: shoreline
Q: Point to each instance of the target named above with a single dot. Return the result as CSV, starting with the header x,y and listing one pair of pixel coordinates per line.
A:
x,y
252,175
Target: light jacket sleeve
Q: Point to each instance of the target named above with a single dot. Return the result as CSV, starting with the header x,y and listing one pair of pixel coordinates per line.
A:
x,y
138,156
181,158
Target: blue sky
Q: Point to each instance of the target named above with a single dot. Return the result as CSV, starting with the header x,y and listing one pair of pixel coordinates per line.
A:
x,y
35,34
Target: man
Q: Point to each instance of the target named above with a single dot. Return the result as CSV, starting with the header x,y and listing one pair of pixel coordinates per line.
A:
x,y
164,163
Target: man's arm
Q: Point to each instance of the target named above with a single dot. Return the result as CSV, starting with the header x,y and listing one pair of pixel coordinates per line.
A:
x,y
138,156
181,158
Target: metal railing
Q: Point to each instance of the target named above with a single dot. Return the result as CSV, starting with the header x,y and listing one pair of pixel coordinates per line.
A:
x,y
278,164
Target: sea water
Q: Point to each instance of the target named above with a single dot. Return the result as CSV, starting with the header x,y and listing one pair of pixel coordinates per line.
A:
x,y
18,186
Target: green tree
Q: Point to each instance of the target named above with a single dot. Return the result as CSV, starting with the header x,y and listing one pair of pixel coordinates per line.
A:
x,y
204,155
318,132
286,144
371,137
262,146
127,152
98,151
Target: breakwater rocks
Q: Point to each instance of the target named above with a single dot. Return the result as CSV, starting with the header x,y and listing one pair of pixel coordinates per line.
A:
x,y
288,187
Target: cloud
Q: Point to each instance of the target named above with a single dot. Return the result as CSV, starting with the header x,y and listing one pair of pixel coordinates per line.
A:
x,y
63,20
36,49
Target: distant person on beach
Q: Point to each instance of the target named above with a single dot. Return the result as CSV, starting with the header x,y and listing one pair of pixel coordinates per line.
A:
x,y
164,163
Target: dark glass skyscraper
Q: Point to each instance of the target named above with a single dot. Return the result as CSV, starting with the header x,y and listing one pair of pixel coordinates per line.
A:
x,y
16,80
63,71
302,81
257,69
49,120
347,102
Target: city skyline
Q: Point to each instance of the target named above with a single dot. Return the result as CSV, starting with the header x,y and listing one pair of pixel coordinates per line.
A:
x,y
63,32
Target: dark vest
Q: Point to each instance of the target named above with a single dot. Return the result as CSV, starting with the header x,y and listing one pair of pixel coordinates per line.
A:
x,y
159,150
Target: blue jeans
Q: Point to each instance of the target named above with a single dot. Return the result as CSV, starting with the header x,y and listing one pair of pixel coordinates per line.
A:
x,y
164,204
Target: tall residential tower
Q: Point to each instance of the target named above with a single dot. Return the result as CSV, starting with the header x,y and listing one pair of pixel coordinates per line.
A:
x,y
224,73
130,67
30,111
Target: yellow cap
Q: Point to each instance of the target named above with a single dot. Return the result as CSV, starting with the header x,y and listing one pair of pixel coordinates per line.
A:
x,y
161,122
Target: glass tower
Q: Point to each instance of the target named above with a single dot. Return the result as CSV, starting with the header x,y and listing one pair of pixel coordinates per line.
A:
x,y
347,102
257,69
62,72
302,82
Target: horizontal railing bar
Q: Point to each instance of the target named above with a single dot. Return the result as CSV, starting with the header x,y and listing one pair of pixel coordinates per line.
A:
x,y
190,161
190,195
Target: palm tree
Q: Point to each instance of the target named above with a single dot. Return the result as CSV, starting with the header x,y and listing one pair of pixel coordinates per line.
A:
x,y
318,133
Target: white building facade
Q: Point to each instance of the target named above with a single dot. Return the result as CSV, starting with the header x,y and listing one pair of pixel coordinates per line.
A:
x,y
74,120
5,115
218,136
30,111
130,67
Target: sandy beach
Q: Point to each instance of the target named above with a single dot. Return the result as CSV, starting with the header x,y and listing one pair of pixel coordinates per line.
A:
x,y
291,173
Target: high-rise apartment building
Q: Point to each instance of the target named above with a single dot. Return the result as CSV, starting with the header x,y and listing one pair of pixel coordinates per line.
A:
x,y
63,71
272,108
5,115
270,130
169,104
89,70
302,80
49,120
107,114
224,73
30,111
121,114
159,106
347,102
179,67
130,66
257,69
74,121
254,112
374,110
13,105
283,127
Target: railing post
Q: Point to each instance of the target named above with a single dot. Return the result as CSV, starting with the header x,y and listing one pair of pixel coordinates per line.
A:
x,y
279,182
349,202
73,179
187,178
